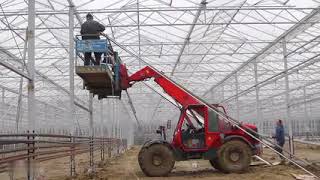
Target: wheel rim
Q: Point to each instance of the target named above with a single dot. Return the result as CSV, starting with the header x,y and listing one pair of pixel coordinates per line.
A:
x,y
156,160
234,156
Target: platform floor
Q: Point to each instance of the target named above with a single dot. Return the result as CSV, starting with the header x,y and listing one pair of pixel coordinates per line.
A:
x,y
98,80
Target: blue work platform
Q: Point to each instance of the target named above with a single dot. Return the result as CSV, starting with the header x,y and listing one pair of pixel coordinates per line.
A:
x,y
103,79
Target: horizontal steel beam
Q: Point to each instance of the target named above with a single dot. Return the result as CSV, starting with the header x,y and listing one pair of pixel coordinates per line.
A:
x,y
11,67
82,106
175,9
164,43
60,87
40,74
187,39
277,76
174,24
298,27
14,69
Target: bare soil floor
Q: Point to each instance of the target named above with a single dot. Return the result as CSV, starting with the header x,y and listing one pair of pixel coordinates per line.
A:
x,y
126,167
55,169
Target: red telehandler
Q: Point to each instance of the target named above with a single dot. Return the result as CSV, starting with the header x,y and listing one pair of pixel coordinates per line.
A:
x,y
203,131
200,132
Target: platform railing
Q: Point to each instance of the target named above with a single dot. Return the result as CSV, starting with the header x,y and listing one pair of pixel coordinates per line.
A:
x,y
44,147
101,45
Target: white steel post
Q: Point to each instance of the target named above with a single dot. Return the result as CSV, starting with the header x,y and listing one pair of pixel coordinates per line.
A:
x,y
91,131
31,64
2,112
222,93
139,37
287,98
257,89
309,129
2,107
102,130
117,119
101,119
212,98
237,96
18,115
113,118
71,86
31,71
110,127
2,95
273,115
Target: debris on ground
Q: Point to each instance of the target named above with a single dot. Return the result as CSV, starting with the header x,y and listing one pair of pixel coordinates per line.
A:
x,y
303,176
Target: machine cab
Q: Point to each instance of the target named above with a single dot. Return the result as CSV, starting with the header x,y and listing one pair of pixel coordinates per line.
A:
x,y
199,129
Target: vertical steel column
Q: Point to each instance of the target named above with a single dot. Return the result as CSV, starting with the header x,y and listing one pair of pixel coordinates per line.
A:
x,y
2,107
287,98
306,116
18,115
139,36
116,124
212,97
273,110
222,93
112,118
120,137
102,130
31,64
91,131
115,119
101,119
118,119
71,86
2,112
315,129
257,89
31,71
110,135
2,95
237,96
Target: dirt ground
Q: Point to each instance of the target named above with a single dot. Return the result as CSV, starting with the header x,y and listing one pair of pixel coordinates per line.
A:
x,y
126,167
55,169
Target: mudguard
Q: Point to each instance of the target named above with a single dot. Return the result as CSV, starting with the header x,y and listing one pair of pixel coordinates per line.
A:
x,y
157,141
179,155
231,137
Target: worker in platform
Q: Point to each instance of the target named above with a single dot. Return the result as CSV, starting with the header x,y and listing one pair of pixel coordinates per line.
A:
x,y
91,29
280,138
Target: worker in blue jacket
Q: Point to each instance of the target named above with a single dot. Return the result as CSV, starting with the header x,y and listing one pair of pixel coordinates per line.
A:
x,y
280,138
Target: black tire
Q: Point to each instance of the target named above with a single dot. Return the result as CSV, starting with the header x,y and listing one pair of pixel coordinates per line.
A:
x,y
234,157
156,160
215,164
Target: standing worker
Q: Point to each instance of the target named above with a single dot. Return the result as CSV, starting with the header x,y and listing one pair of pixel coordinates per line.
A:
x,y
91,30
280,139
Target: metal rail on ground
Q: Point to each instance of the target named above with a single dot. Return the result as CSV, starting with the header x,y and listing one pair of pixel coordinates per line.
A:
x,y
44,147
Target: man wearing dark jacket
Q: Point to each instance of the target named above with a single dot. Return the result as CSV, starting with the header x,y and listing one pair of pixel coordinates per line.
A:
x,y
280,138
91,30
